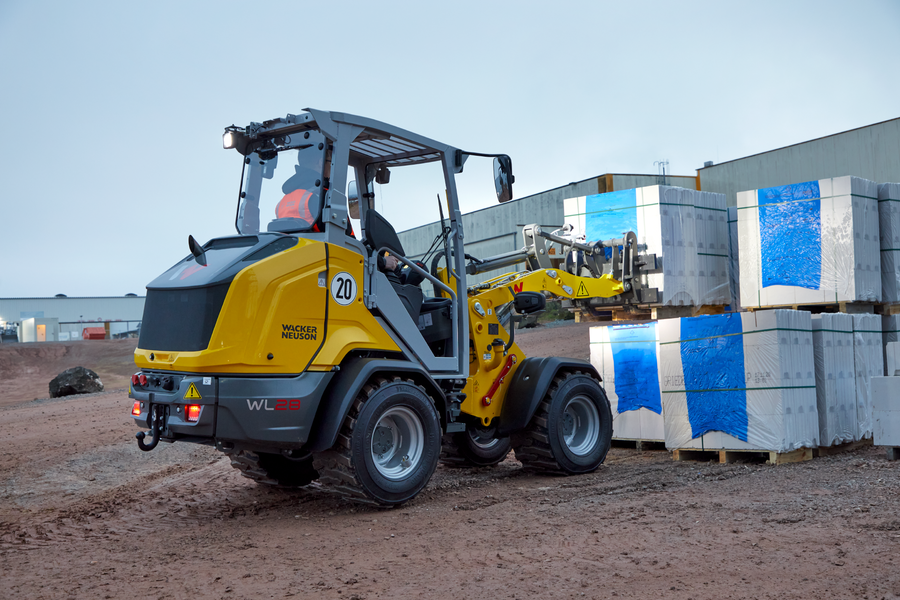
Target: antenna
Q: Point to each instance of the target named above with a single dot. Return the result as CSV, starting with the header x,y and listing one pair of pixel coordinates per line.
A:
x,y
661,177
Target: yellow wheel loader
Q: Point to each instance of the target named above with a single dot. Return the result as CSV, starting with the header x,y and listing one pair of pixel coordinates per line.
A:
x,y
306,354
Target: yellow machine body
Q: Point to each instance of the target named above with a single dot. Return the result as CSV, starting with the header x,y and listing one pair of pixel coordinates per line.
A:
x,y
273,319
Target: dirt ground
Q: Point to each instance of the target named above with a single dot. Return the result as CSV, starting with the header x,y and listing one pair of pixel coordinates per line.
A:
x,y
85,514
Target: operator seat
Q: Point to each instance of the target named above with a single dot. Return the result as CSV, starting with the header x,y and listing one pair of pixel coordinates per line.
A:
x,y
378,234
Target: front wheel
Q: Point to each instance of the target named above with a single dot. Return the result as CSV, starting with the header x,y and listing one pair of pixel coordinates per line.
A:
x,y
571,432
474,447
388,447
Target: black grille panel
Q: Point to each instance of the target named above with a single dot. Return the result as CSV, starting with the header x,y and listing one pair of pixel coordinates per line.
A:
x,y
181,320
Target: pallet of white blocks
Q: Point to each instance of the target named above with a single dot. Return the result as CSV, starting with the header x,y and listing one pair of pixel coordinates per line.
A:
x,y
739,383
868,351
687,230
892,355
835,379
626,357
809,243
889,223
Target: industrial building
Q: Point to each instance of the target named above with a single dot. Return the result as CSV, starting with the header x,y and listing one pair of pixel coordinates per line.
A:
x,y
63,319
871,152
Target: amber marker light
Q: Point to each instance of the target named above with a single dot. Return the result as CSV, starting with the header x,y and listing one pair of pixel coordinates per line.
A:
x,y
193,412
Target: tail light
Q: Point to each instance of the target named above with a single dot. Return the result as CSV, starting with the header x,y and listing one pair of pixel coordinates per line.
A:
x,y
136,409
192,411
142,379
134,379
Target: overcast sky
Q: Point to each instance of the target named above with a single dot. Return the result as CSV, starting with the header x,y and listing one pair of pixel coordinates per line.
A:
x,y
112,112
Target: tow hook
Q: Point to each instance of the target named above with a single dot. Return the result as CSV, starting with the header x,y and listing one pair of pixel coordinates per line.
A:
x,y
155,426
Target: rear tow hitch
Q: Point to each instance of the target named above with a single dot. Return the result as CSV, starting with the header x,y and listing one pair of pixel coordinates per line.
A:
x,y
157,422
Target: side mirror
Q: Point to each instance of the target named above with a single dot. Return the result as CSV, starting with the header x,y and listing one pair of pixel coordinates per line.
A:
x,y
526,303
503,178
353,200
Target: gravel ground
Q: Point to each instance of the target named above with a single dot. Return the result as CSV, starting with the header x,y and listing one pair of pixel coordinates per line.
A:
x,y
85,514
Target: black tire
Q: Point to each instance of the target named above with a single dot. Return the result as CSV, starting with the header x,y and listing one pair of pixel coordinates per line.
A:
x,y
274,469
397,418
475,447
571,432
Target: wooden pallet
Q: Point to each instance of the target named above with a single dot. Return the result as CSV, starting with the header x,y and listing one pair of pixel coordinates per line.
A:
x,y
851,308
730,456
829,450
622,314
888,309
639,444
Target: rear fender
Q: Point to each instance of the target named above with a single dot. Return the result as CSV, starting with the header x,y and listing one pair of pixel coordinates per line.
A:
x,y
346,386
530,383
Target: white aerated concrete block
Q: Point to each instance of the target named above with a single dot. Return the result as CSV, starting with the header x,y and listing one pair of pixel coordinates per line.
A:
x,y
835,378
886,411
686,229
868,352
626,357
810,243
739,381
892,354
889,224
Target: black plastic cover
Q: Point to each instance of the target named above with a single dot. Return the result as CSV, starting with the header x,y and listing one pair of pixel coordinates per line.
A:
x,y
181,320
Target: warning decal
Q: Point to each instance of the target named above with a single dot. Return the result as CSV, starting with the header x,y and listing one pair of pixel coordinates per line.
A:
x,y
192,393
582,291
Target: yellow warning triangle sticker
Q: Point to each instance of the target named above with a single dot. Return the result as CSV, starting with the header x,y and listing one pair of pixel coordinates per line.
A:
x,y
582,291
192,393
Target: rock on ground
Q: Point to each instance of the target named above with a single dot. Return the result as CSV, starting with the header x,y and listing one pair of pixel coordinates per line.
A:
x,y
77,380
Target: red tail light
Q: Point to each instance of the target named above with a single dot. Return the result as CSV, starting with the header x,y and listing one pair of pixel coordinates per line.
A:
x,y
142,379
193,412
136,409
134,379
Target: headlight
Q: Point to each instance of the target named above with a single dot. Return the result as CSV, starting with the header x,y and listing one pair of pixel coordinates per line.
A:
x,y
228,140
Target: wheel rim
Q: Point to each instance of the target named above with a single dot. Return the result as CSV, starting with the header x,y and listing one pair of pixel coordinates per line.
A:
x,y
581,425
397,443
482,438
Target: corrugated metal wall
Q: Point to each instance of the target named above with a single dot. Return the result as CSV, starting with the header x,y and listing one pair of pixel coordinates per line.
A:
x,y
498,229
871,152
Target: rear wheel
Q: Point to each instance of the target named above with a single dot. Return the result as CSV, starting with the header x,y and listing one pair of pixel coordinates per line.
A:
x,y
571,431
388,446
274,469
476,446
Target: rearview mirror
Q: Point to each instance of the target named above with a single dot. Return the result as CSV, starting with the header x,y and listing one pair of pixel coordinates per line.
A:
x,y
353,200
503,178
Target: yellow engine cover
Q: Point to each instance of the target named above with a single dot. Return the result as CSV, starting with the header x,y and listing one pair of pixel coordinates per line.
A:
x,y
299,309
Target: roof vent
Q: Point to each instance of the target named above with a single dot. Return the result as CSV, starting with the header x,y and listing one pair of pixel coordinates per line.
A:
x,y
708,163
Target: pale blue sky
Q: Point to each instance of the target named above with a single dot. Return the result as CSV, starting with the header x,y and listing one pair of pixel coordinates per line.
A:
x,y
112,112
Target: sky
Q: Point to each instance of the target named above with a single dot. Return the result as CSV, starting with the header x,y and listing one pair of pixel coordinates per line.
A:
x,y
112,113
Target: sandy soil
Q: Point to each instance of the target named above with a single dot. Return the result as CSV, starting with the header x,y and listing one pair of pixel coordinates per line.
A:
x,y
85,514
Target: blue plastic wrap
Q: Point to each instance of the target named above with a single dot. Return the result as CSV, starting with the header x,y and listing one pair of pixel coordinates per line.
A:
x,y
712,357
790,231
634,360
609,215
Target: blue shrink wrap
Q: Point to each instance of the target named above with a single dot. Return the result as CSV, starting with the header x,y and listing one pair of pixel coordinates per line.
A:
x,y
635,364
790,230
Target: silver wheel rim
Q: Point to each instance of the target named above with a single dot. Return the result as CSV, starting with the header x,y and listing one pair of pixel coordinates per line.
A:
x,y
581,425
397,443
482,441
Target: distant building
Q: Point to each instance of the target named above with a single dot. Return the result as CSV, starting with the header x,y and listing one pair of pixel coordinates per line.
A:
x,y
67,317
